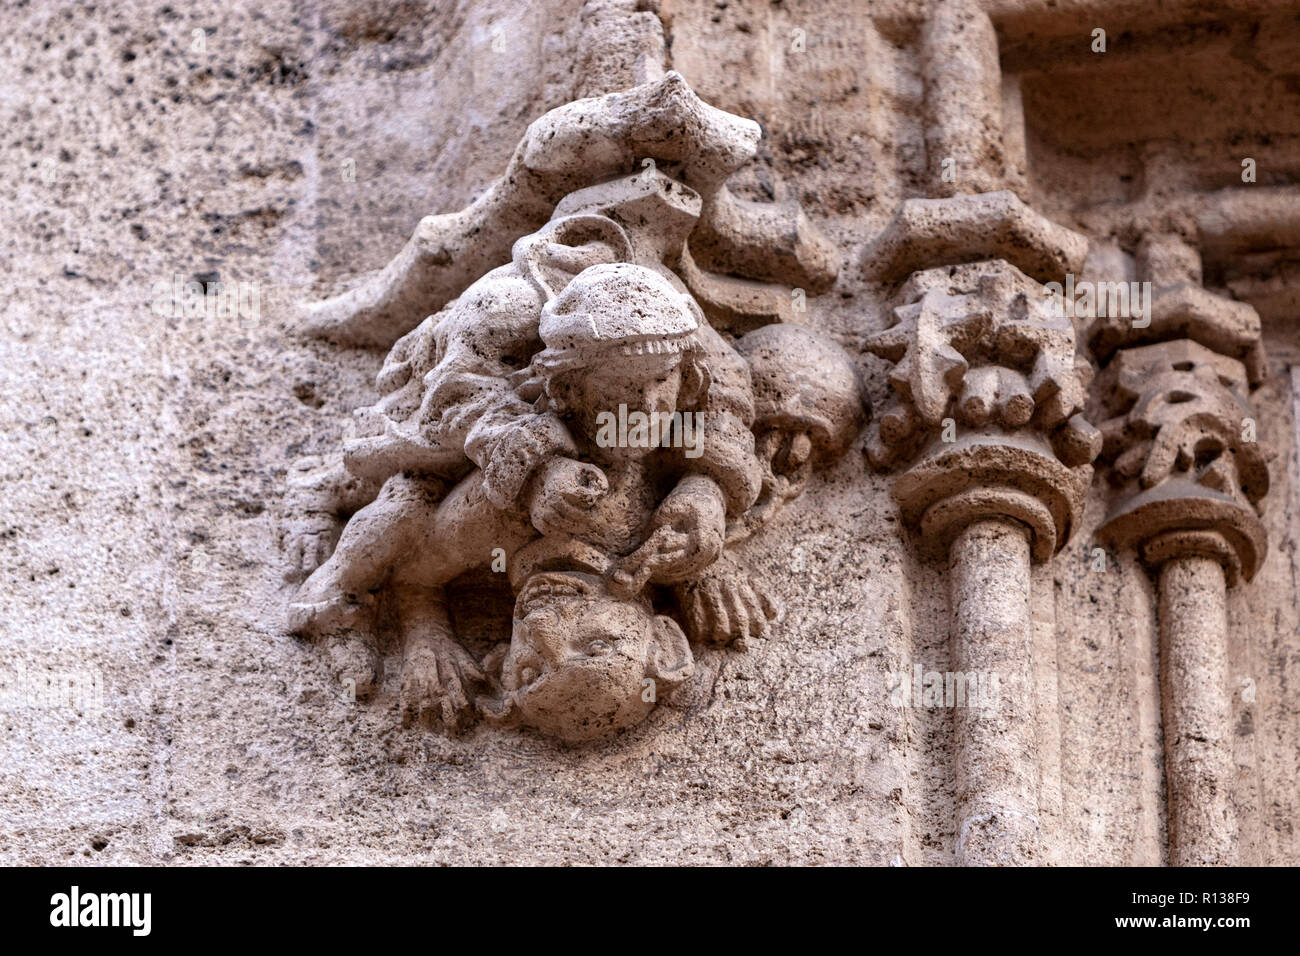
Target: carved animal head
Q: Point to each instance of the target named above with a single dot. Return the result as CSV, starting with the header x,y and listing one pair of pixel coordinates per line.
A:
x,y
583,664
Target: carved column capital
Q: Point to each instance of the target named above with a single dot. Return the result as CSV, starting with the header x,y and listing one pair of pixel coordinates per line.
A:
x,y
1179,445
1179,434
989,398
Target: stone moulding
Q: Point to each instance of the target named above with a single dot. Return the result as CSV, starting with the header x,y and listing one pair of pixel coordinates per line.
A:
x,y
940,232
989,475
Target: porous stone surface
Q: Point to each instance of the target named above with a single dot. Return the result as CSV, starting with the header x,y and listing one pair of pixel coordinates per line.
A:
x,y
156,708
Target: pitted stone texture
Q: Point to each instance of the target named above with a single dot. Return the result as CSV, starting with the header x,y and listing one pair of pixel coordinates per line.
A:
x,y
968,228
1203,825
145,456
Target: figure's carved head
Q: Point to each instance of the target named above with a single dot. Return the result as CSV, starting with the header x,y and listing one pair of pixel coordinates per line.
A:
x,y
583,663
620,335
808,400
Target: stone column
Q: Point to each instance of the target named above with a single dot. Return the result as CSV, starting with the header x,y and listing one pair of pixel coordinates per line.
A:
x,y
988,395
1197,714
1189,474
997,780
963,98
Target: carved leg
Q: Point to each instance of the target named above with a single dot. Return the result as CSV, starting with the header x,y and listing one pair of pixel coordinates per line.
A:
x,y
378,535
335,606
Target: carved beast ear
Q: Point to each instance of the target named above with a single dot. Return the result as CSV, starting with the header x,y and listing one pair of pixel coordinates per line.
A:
x,y
669,660
560,250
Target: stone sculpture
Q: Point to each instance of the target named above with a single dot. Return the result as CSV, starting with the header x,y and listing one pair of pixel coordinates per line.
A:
x,y
574,413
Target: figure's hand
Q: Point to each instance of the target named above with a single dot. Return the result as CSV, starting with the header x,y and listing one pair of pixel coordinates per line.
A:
x,y
437,677
727,606
690,529
564,492
308,544
789,458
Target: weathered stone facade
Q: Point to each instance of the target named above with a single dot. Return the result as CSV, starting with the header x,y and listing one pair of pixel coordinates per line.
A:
x,y
317,551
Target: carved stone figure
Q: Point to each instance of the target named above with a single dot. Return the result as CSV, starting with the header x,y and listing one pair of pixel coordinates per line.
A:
x,y
574,414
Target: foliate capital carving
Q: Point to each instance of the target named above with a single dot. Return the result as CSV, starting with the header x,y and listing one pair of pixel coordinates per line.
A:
x,y
1180,442
1181,448
989,395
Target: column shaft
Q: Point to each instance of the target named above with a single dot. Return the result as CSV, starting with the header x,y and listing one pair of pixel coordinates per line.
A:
x,y
997,771
1197,712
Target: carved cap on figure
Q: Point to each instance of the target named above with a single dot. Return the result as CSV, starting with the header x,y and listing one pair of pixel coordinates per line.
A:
x,y
621,307
584,663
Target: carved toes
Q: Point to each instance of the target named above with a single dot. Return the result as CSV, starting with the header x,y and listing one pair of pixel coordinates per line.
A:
x,y
436,685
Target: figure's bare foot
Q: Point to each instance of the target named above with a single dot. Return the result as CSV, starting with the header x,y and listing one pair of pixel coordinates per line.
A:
x,y
725,607
437,679
318,489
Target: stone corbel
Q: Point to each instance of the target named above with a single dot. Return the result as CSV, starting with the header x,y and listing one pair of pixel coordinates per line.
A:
x,y
572,418
1189,474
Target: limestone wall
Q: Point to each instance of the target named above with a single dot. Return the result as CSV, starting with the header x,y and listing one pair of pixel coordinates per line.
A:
x,y
292,147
